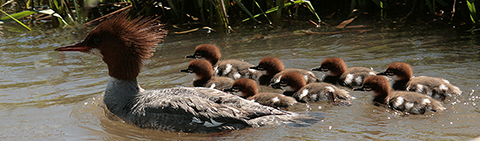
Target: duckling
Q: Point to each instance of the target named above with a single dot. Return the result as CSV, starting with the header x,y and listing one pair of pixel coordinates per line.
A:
x,y
411,102
435,87
248,89
232,68
204,75
295,85
272,69
336,72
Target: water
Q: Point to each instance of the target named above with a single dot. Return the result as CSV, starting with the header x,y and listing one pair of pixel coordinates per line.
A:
x,y
51,95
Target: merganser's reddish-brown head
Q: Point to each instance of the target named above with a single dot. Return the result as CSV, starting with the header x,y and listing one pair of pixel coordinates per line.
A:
x,y
202,69
209,52
398,71
243,87
122,43
290,82
332,66
269,66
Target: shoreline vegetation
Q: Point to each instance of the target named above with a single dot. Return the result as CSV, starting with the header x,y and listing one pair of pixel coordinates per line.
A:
x,y
186,16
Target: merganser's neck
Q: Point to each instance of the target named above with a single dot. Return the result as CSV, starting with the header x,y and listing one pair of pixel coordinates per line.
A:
x,y
125,67
120,94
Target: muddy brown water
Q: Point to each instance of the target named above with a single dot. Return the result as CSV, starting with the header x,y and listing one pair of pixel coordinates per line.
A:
x,y
51,95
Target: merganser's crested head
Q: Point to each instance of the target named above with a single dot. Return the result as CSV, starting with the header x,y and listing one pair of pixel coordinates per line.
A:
x,y
332,66
243,87
377,84
122,43
398,71
269,66
208,52
290,82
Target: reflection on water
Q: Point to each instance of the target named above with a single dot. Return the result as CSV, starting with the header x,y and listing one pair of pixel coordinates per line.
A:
x,y
56,95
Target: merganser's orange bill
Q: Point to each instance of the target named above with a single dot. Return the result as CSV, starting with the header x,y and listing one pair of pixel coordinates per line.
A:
x,y
76,47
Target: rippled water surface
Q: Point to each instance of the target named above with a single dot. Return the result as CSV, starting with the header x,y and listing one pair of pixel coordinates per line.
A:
x,y
58,95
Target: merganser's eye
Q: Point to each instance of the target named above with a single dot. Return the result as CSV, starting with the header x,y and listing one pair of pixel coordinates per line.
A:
x,y
96,40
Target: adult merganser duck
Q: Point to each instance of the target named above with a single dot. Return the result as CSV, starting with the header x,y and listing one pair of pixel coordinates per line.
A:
x,y
294,83
123,44
272,69
248,89
335,72
411,102
437,88
232,68
204,75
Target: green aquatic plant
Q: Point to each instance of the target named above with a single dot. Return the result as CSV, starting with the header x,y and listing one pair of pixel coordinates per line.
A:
x,y
13,18
278,8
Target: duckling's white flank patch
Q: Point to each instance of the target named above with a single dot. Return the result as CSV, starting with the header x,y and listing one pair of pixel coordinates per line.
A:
x,y
303,94
313,97
359,80
215,70
212,123
275,99
236,75
305,77
399,101
96,52
446,81
372,73
426,101
419,88
330,89
212,86
227,69
409,105
443,87
349,78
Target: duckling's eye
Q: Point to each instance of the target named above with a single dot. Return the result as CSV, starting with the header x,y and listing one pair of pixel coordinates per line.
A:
x,y
389,73
366,88
324,69
283,84
260,68
235,89
198,55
